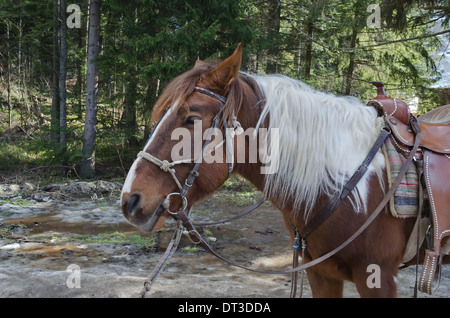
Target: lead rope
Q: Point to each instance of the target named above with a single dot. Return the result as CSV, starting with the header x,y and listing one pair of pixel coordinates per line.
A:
x,y
170,250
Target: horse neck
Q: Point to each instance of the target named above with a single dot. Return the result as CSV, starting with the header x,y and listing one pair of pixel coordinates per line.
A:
x,y
334,152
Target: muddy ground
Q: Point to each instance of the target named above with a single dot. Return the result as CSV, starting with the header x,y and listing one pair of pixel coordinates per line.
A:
x,y
45,231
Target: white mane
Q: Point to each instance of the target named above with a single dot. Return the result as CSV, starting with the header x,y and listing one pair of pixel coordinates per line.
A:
x,y
323,140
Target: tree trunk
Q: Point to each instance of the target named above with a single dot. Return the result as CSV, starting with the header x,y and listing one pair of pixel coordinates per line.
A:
x,y
54,129
308,49
297,56
273,24
62,77
78,84
351,65
8,78
87,165
130,110
81,62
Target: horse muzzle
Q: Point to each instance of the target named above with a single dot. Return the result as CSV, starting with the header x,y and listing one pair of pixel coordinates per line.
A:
x,y
142,214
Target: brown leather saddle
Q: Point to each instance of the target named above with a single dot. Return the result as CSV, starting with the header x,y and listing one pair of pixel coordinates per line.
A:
x,y
433,163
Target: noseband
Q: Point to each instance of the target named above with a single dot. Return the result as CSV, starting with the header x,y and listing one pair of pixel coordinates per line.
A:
x,y
167,166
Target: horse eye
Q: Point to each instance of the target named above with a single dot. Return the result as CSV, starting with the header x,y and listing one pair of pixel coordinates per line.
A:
x,y
190,121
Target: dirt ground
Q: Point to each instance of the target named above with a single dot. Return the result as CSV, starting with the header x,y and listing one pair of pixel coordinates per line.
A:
x,y
51,237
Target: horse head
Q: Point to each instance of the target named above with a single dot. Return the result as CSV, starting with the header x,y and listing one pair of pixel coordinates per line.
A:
x,y
187,113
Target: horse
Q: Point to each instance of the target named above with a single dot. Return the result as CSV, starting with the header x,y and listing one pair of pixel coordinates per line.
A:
x,y
322,139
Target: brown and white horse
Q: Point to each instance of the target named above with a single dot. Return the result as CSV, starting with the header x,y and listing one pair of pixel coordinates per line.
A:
x,y
322,140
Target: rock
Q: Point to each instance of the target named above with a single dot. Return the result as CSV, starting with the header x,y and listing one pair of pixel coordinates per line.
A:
x,y
9,247
14,188
105,186
51,188
164,239
27,187
73,190
91,188
124,258
83,187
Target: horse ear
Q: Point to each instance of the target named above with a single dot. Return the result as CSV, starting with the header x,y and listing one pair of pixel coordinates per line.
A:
x,y
227,71
199,63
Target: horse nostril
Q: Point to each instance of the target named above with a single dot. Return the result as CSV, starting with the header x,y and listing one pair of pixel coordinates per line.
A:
x,y
133,203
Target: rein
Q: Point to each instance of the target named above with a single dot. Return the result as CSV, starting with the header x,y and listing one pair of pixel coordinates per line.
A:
x,y
182,217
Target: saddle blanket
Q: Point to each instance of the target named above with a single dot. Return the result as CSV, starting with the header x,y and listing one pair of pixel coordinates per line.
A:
x,y
405,202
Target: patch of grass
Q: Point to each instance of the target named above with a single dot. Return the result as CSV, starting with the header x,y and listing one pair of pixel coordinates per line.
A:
x,y
117,238
189,249
240,199
202,212
5,232
14,201
238,191
237,183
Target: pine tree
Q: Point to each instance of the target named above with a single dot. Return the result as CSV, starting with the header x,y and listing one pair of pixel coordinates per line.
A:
x,y
87,165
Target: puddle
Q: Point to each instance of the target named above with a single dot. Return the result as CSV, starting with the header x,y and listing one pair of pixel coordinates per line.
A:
x,y
85,217
51,223
43,250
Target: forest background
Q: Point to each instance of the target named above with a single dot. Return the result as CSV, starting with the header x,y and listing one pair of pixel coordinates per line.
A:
x,y
79,78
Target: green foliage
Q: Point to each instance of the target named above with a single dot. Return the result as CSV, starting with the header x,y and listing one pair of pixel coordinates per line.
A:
x,y
146,43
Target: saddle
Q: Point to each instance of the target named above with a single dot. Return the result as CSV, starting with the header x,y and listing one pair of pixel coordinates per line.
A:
x,y
432,161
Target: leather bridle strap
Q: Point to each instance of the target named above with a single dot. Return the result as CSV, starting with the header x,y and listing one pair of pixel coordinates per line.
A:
x,y
215,123
197,239
205,91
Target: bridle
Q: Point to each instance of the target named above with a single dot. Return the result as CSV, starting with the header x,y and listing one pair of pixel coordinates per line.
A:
x,y
167,166
182,215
